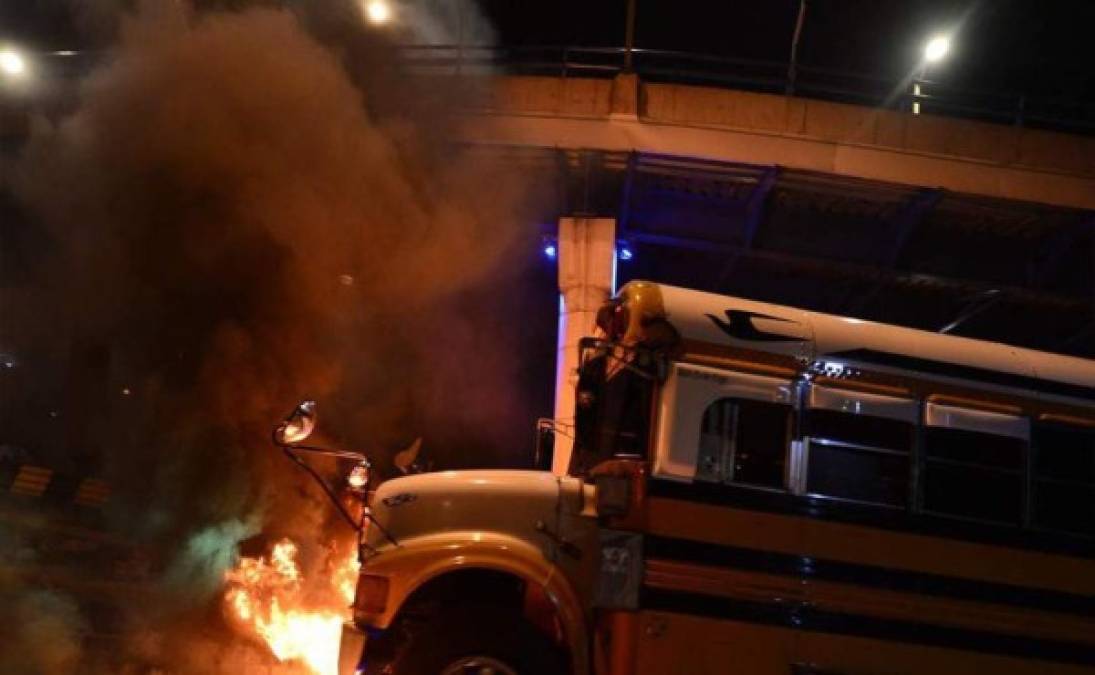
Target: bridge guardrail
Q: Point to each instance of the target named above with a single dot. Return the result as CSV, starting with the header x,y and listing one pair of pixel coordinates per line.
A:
x,y
658,65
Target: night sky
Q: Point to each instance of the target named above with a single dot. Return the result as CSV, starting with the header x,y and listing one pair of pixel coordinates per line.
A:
x,y
1035,47
1041,48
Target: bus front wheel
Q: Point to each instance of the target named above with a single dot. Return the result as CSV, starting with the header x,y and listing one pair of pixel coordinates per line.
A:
x,y
479,641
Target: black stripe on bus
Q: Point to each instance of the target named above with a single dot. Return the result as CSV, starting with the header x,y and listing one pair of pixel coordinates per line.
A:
x,y
703,553
803,617
915,363
894,520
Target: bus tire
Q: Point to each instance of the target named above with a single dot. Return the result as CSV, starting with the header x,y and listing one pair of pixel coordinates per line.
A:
x,y
480,640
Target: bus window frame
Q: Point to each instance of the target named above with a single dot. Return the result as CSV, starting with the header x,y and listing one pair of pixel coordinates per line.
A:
x,y
856,403
923,411
836,399
788,440
978,421
683,402
986,423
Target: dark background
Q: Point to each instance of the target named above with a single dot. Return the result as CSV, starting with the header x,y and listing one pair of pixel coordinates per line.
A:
x,y
1038,48
1007,46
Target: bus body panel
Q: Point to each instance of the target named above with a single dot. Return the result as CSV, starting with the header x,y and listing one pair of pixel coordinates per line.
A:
x,y
710,319
682,644
776,578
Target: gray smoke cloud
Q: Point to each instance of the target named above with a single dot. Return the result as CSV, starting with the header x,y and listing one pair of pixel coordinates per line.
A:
x,y
44,634
249,206
43,630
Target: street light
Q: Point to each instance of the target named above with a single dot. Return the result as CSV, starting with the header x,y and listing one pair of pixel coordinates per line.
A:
x,y
12,63
936,48
378,11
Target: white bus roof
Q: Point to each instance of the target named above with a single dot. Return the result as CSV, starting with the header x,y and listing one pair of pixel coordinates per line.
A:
x,y
815,337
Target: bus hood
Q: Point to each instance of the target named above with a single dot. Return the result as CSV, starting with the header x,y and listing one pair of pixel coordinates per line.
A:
x,y
512,502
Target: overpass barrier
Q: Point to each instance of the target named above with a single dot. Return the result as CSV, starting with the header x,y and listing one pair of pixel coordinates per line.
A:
x,y
773,77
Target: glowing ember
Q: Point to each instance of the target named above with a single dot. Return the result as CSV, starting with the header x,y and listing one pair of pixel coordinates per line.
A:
x,y
266,596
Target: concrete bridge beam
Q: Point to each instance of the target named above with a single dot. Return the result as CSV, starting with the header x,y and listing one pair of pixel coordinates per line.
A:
x,y
923,150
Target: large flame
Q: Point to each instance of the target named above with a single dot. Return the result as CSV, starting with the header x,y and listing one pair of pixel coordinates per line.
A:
x,y
266,597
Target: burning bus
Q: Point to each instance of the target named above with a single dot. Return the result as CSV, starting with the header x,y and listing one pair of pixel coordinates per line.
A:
x,y
752,488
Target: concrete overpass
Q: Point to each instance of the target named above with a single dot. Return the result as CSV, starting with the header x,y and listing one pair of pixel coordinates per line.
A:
x,y
922,220
624,114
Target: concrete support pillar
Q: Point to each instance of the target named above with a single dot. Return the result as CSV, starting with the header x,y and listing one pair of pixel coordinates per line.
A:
x,y
587,261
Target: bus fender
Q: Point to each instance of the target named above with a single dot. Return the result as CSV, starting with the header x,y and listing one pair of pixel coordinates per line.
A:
x,y
419,560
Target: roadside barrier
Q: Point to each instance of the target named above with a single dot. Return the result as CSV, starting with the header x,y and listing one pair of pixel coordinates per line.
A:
x,y
38,482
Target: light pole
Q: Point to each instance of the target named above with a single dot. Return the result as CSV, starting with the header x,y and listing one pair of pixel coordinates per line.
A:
x,y
792,64
629,36
935,50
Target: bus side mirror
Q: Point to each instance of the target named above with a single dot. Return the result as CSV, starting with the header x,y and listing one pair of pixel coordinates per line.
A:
x,y
297,425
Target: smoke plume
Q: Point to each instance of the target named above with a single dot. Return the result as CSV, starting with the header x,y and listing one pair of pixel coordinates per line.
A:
x,y
247,207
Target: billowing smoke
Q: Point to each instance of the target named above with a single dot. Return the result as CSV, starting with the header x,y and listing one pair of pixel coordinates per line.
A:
x,y
247,207
43,630
45,634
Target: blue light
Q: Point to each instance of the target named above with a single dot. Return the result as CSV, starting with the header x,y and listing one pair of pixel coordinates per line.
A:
x,y
626,253
550,251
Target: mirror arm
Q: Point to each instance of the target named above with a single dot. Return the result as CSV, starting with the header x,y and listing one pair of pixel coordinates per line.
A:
x,y
340,454
609,348
366,515
372,519
323,484
362,544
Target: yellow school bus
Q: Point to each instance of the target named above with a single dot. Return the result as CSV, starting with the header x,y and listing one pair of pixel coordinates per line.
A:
x,y
758,489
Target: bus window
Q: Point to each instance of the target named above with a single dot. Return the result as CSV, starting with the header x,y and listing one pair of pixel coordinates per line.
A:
x,y
973,463
1064,479
720,425
858,446
743,441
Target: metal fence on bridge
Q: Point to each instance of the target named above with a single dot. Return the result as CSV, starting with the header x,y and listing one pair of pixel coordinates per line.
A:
x,y
655,65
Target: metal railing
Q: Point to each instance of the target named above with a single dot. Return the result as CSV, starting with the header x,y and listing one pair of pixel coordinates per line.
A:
x,y
656,65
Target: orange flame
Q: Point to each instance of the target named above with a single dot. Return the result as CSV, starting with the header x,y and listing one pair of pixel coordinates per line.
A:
x,y
266,598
